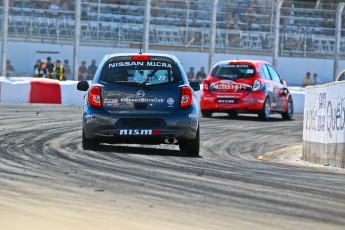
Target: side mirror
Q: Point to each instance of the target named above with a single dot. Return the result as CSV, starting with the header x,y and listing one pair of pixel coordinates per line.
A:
x,y
284,83
194,85
83,86
285,92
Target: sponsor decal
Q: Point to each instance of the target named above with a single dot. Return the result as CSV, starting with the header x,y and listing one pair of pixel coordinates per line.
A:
x,y
111,101
192,115
193,119
322,100
170,101
139,132
140,93
159,64
228,84
142,100
146,79
126,63
140,63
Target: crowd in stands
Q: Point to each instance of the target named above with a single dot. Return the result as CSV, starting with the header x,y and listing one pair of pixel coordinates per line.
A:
x,y
302,24
63,72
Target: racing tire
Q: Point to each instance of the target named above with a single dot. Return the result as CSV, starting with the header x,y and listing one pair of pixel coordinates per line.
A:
x,y
206,113
191,147
233,114
288,114
265,113
89,144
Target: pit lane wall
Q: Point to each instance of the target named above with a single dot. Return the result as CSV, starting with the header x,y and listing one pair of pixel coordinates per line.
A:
x,y
324,124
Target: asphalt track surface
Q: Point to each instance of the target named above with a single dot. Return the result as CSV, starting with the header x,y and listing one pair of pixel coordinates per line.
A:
x,y
46,176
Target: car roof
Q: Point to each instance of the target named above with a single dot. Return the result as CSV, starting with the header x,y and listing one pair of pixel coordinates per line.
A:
x,y
255,63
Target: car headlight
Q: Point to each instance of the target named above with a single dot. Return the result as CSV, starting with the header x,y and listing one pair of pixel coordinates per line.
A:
x,y
256,85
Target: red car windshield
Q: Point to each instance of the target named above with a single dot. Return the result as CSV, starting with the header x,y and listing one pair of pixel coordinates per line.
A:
x,y
233,71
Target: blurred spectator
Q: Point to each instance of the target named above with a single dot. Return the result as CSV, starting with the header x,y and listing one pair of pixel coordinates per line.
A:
x,y
91,71
317,80
235,36
58,71
250,9
201,75
41,71
85,9
38,64
181,22
191,74
9,69
54,7
298,40
82,71
50,66
238,10
307,80
68,71
237,19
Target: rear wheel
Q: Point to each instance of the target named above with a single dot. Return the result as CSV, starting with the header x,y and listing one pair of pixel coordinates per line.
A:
x,y
265,112
89,144
191,147
206,113
288,114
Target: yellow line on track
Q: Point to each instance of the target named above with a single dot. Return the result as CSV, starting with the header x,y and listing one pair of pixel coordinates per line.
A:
x,y
267,155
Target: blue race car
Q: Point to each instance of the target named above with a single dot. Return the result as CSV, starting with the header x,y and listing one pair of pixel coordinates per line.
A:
x,y
141,99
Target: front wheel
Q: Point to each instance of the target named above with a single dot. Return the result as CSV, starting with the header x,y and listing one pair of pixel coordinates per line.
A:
x,y
265,112
191,147
89,144
288,114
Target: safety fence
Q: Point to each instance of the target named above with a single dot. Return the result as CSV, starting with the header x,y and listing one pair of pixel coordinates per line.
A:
x,y
304,28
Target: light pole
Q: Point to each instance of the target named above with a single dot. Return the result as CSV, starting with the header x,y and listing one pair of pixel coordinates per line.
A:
x,y
146,39
76,39
4,37
337,40
276,33
213,31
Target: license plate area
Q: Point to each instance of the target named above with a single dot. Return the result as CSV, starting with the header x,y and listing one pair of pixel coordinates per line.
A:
x,y
226,101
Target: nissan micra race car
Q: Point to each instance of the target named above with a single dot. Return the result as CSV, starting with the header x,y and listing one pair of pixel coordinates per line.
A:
x,y
141,99
242,86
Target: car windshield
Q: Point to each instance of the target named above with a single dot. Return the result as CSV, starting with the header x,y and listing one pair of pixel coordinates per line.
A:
x,y
140,72
233,71
342,77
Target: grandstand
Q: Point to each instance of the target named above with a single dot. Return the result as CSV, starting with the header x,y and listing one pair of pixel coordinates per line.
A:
x,y
306,28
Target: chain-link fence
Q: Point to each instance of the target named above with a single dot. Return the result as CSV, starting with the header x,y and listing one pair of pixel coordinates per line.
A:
x,y
244,26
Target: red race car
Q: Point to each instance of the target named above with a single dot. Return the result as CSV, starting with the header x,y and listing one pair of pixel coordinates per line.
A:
x,y
243,86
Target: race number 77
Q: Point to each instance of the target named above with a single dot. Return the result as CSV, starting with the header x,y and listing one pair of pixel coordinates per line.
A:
x,y
161,78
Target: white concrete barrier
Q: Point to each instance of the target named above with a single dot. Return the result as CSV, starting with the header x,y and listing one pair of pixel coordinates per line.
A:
x,y
33,90
324,124
20,90
14,92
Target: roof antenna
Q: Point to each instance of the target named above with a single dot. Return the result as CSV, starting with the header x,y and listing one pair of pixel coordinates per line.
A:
x,y
140,49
